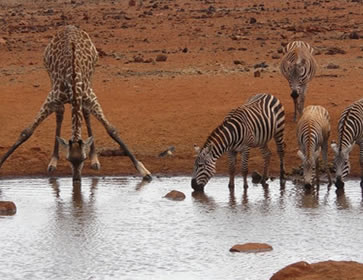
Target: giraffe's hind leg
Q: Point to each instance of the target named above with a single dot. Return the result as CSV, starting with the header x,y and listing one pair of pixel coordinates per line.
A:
x,y
98,113
95,164
52,166
44,112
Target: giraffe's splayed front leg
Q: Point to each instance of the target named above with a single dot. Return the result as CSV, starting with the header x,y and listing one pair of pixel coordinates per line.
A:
x,y
95,164
52,166
143,171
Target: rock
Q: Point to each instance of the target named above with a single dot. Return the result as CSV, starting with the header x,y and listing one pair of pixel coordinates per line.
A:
x,y
175,195
168,152
335,50
7,208
2,41
253,20
161,57
275,56
354,35
332,66
257,74
251,248
132,3
109,152
332,270
256,177
260,65
185,50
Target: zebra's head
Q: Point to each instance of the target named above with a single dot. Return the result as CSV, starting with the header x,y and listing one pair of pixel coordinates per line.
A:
x,y
309,165
297,78
341,162
204,168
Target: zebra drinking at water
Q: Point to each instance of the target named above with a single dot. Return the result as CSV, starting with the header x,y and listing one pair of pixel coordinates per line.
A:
x,y
298,66
350,132
313,130
250,125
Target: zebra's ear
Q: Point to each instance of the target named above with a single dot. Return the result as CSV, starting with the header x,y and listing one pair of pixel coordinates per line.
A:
x,y
333,145
301,155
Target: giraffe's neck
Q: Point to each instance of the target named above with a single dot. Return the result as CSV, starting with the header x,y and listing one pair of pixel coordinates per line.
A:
x,y
76,98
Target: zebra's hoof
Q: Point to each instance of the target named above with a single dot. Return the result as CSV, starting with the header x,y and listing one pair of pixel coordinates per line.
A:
x,y
339,184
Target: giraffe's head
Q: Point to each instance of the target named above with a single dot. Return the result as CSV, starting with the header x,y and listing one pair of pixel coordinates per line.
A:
x,y
76,154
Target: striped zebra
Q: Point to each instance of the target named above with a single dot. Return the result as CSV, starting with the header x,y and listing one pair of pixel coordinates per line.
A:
x,y
298,66
250,125
350,132
313,130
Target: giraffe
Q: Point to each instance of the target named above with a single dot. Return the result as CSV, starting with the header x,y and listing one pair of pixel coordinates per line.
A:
x,y
70,59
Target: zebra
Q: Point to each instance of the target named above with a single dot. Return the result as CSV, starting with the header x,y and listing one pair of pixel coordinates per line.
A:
x,y
313,131
248,126
298,66
350,132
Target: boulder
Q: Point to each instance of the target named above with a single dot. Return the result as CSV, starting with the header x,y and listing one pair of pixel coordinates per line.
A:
x,y
175,195
327,270
7,208
251,248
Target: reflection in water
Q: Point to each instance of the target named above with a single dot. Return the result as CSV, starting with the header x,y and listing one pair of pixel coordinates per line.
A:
x,y
109,229
140,185
204,199
342,202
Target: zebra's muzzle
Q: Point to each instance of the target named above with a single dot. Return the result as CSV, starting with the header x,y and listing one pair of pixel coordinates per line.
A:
x,y
294,94
196,186
339,183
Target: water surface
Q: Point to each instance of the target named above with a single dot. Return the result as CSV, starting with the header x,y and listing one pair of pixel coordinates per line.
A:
x,y
117,228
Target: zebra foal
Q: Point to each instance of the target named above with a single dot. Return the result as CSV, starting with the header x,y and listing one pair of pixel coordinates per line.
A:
x,y
250,125
350,132
298,66
313,130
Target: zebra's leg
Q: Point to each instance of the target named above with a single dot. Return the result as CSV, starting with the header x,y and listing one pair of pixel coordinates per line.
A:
x,y
245,155
295,108
317,173
280,144
325,159
232,157
95,164
361,164
266,153
55,156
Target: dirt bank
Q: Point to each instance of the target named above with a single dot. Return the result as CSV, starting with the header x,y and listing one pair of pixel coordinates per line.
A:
x,y
212,50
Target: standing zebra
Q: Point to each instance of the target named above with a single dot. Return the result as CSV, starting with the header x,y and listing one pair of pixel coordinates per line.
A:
x,y
313,130
350,132
298,66
250,125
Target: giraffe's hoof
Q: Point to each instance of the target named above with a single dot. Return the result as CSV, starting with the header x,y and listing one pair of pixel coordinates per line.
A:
x,y
51,168
147,178
96,166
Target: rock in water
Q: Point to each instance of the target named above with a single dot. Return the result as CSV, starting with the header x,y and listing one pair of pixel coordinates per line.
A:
x,y
7,208
175,195
329,270
251,248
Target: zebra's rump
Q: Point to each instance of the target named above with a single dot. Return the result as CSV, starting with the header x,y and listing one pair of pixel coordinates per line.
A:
x,y
263,116
350,125
313,126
